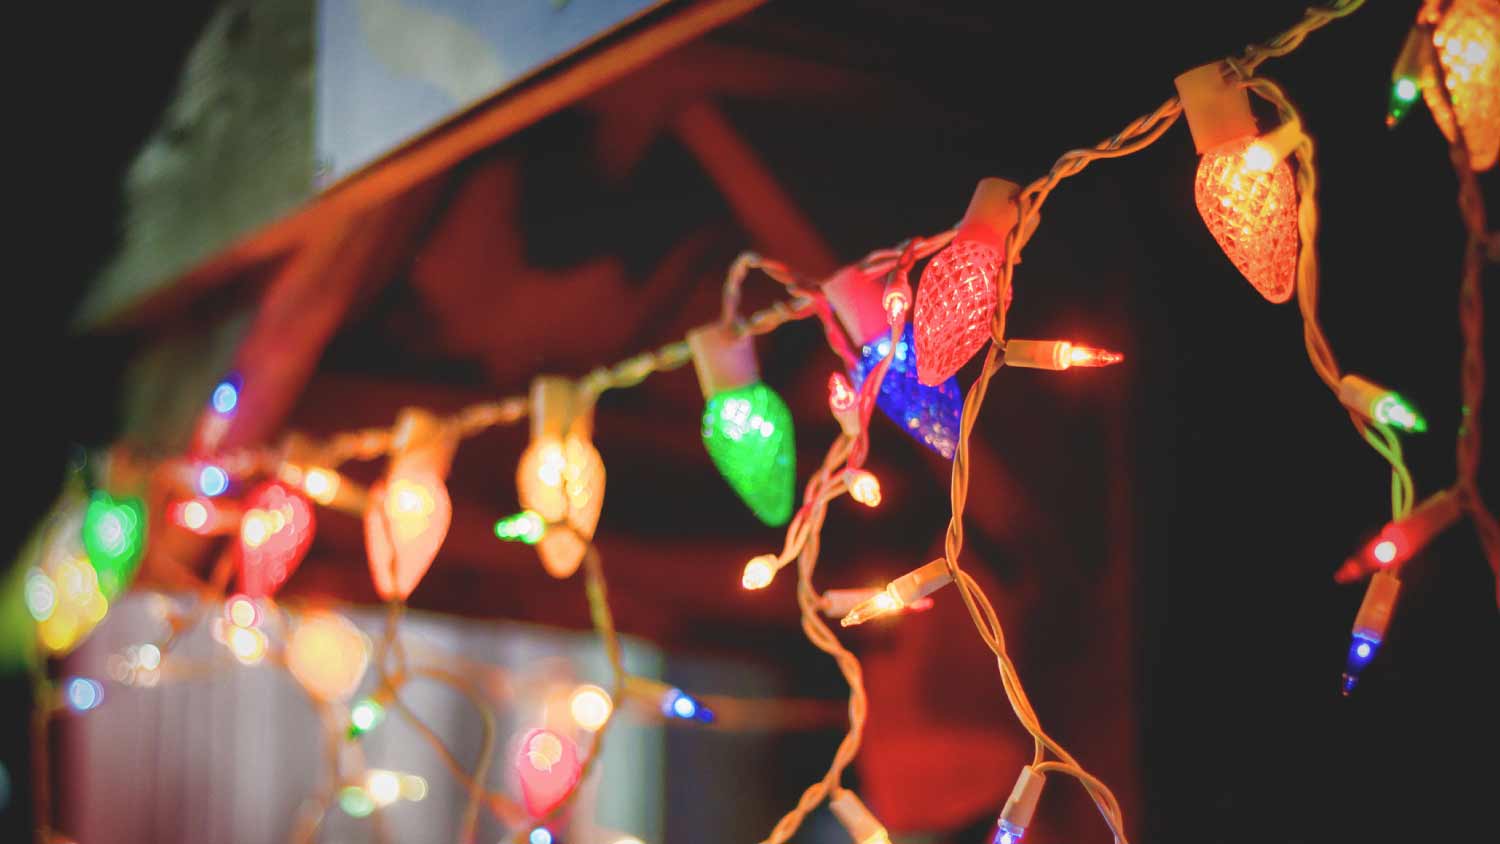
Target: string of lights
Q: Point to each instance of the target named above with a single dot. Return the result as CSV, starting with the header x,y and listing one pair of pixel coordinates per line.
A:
x,y
900,353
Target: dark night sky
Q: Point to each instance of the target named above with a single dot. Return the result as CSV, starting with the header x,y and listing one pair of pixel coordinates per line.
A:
x,y
1252,485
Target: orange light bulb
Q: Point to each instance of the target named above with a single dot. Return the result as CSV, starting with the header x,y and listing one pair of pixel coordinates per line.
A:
x,y
864,487
1466,40
1248,200
759,572
561,475
327,654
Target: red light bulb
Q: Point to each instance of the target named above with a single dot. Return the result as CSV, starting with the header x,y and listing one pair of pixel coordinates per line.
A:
x,y
960,285
275,533
1399,541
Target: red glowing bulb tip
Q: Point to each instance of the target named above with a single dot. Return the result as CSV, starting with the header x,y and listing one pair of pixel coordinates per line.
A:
x,y
1089,356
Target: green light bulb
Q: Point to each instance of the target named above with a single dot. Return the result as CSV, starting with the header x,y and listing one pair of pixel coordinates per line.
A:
x,y
114,534
356,802
365,716
1404,91
1395,411
748,433
527,526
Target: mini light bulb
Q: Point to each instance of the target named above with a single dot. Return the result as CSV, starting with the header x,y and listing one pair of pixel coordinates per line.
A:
x,y
1403,539
864,487
1466,39
746,426
212,480
1375,402
1410,75
241,611
226,396
193,515
384,787
321,485
247,644
327,654
1056,355
1020,807
676,703
356,802
760,571
900,593
1370,625
1244,188
590,707
527,526
365,716
83,693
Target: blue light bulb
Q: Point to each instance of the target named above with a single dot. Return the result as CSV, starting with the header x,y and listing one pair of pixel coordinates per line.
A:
x,y
84,694
212,481
929,414
679,704
541,835
226,397
1007,833
1361,650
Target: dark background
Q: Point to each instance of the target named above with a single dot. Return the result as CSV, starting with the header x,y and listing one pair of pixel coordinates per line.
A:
x,y
1250,484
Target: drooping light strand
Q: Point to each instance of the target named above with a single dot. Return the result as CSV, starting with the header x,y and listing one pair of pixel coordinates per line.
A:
x,y
1375,402
900,593
1020,807
930,414
860,823
747,428
560,477
1399,541
1466,40
960,285
1056,355
408,513
1244,188
1370,624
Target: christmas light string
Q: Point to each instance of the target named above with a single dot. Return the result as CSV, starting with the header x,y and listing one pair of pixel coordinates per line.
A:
x,y
1370,409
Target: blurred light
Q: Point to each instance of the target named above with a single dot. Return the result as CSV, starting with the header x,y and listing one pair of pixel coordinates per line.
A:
x,y
1385,551
256,528
212,481
247,644
413,787
328,655
225,398
383,786
365,716
590,706
355,802
194,515
84,694
41,595
759,572
242,611
540,835
321,485
148,657
526,526
864,487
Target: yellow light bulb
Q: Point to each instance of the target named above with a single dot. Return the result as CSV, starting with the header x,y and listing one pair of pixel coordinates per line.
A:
x,y
1259,158
247,644
241,610
194,515
562,480
864,487
327,654
321,485
256,528
759,572
590,707
383,786
413,787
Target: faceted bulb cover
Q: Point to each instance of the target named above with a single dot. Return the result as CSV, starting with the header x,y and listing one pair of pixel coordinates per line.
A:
x,y
562,480
929,414
748,433
114,534
275,533
406,521
955,300
1252,213
1467,43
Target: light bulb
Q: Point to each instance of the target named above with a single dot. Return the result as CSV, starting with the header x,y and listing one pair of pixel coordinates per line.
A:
x,y
408,512
560,477
747,428
1244,188
321,485
1466,39
384,787
1399,541
114,535
413,787
860,823
226,396
1370,625
1020,807
1375,402
959,291
1056,355
900,593
676,703
540,835
760,571
527,526
930,414
241,611
1412,72
590,707
275,535
365,716
356,802
83,693
864,487
327,654
199,515
212,480
548,768
246,643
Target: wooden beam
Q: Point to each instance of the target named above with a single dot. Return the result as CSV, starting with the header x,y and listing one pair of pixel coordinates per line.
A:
x,y
427,156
